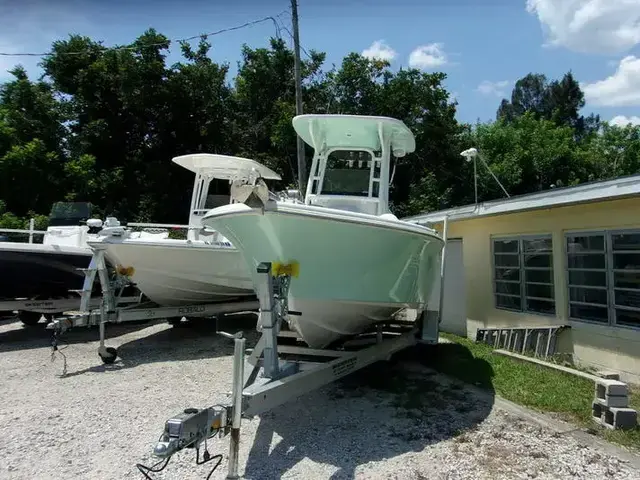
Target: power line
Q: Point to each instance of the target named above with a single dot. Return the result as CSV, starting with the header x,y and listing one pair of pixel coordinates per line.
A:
x,y
127,47
284,27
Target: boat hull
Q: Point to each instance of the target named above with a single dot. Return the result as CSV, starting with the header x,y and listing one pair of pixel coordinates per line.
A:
x,y
354,270
41,271
173,272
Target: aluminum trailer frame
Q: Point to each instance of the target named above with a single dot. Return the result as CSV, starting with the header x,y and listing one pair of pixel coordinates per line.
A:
x,y
57,305
274,373
110,311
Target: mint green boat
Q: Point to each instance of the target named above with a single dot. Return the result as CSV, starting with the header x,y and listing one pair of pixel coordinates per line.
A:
x,y
357,263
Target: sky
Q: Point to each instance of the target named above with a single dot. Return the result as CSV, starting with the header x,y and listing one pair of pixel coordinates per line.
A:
x,y
483,46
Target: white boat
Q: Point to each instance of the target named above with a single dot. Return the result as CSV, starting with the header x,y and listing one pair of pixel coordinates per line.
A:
x,y
205,267
356,263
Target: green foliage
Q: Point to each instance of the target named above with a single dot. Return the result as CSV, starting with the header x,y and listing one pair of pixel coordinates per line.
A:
x,y
103,124
559,101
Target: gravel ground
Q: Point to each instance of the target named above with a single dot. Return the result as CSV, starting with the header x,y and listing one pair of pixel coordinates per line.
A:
x,y
391,421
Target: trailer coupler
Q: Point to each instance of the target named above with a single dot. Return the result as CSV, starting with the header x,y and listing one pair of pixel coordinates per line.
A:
x,y
189,429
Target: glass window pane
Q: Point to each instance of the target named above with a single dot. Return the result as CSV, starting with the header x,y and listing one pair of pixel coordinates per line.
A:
x,y
506,246
627,318
626,241
541,306
507,287
347,172
537,260
544,276
510,260
627,298
626,280
508,274
589,260
628,261
588,295
584,312
540,291
512,303
537,245
596,279
580,243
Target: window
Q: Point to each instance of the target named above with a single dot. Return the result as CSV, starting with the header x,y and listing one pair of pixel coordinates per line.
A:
x,y
523,274
347,173
604,277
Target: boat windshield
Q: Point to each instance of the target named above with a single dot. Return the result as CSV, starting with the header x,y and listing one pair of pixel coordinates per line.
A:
x,y
347,173
69,213
214,201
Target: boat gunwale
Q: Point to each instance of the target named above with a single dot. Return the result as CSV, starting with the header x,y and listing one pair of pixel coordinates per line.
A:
x,y
327,214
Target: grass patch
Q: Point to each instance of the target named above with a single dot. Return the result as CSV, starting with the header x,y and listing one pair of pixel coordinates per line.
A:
x,y
528,384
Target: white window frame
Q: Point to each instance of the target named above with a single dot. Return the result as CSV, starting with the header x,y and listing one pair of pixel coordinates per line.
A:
x,y
524,308
609,271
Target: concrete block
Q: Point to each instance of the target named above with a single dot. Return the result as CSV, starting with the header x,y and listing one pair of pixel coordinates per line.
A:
x,y
608,375
620,418
614,388
617,401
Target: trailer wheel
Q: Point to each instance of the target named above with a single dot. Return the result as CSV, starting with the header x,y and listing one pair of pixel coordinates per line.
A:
x,y
29,318
109,355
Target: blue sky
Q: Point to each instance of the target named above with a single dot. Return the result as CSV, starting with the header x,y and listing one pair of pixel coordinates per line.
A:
x,y
482,45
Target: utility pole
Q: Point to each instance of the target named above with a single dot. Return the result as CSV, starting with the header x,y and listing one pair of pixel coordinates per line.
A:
x,y
302,166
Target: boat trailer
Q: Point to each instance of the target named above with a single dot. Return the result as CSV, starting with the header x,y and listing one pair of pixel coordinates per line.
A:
x,y
275,372
110,307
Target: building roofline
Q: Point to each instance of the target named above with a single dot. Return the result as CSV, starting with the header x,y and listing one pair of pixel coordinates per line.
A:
x,y
601,190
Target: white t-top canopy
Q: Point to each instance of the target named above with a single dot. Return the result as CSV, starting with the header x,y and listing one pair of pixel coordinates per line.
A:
x,y
354,131
224,167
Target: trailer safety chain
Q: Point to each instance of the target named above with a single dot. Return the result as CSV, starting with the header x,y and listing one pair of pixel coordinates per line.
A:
x,y
188,430
155,468
54,349
162,464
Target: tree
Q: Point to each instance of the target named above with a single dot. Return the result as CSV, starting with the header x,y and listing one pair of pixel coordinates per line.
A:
x,y
559,101
32,152
527,155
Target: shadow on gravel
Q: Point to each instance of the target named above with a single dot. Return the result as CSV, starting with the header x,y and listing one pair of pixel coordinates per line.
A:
x,y
380,412
22,337
195,340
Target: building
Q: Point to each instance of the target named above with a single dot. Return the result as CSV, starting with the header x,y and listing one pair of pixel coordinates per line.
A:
x,y
568,256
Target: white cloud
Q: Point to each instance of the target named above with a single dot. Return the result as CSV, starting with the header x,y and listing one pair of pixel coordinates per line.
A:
x,y
589,26
428,56
622,121
620,89
380,51
498,89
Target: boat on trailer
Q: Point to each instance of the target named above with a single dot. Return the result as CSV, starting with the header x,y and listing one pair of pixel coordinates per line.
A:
x,y
203,268
39,278
353,262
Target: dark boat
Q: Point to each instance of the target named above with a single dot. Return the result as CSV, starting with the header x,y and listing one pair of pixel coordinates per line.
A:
x,y
48,270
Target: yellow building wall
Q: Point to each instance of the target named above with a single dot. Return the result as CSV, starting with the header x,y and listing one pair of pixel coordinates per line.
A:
x,y
602,347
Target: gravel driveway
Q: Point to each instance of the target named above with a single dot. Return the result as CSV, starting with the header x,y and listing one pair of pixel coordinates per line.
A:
x,y
392,421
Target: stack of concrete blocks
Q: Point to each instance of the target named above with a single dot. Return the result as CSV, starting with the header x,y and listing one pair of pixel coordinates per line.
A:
x,y
610,406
